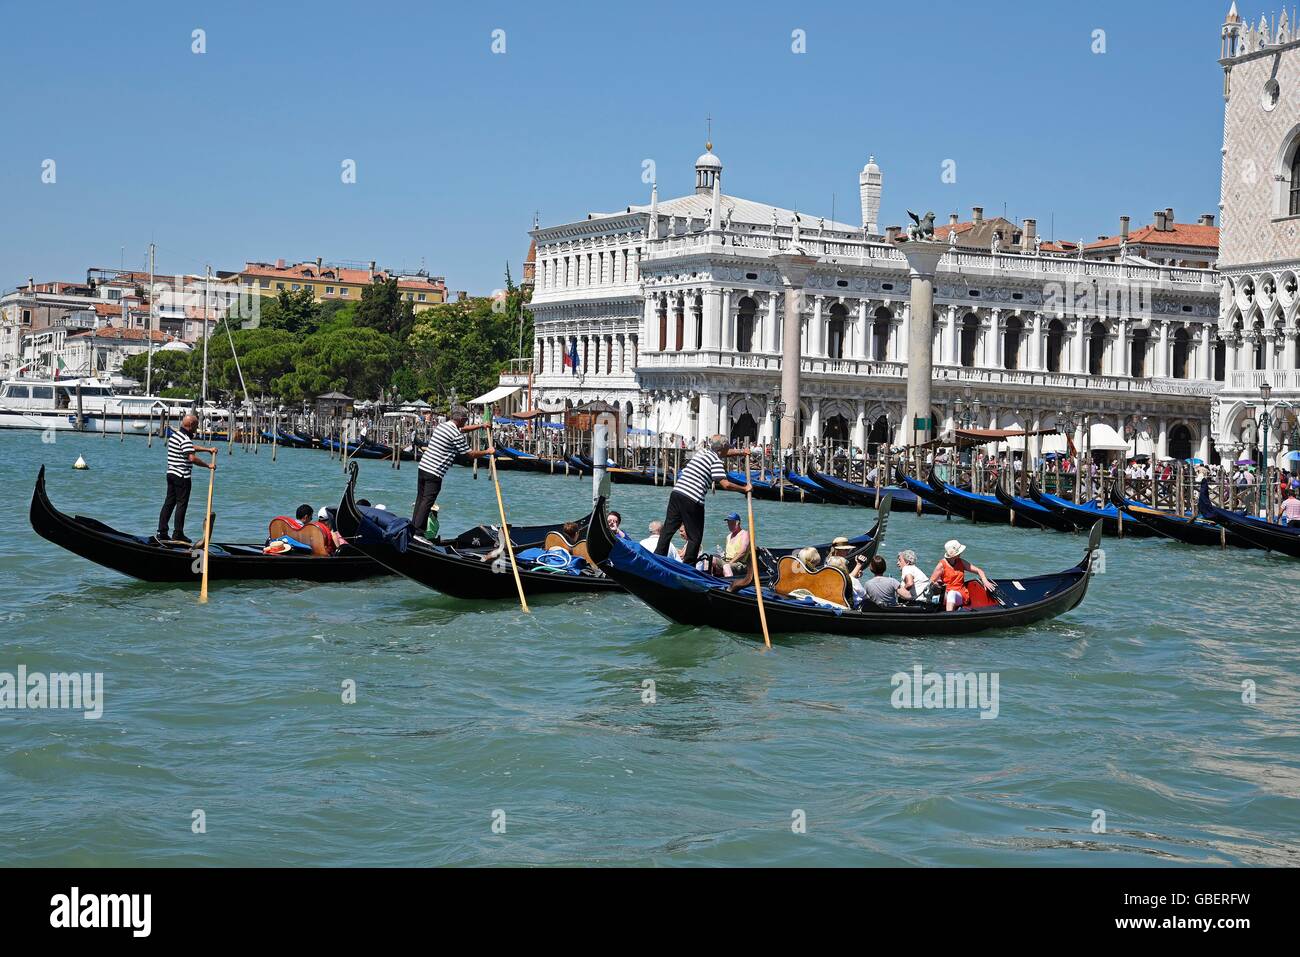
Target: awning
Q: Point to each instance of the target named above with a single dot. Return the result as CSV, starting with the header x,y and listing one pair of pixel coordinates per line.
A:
x,y
496,395
1104,438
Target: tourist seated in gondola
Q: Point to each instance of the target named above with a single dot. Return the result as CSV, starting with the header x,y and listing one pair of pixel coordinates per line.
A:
x,y
880,588
1289,513
810,558
304,514
914,584
950,573
615,522
853,573
735,550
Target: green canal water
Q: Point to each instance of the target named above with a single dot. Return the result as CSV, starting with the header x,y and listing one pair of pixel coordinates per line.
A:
x,y
469,714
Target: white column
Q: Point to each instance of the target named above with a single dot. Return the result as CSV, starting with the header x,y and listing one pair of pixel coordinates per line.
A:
x,y
816,331
1203,448
773,327
903,338
998,352
860,423
712,319
814,429
728,323
650,322
863,343
1162,437
708,414
1162,351
1207,356
954,337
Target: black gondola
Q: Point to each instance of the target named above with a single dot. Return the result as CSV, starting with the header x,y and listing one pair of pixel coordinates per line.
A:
x,y
969,505
1114,521
1187,529
1256,532
902,500
689,597
1043,516
146,559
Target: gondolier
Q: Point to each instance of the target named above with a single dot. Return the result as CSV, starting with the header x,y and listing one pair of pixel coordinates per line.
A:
x,y
686,503
446,441
181,459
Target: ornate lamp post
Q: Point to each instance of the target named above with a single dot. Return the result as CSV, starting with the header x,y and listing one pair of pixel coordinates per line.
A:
x,y
644,407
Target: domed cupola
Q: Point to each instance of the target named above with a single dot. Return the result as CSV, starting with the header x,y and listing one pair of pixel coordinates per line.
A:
x,y
708,168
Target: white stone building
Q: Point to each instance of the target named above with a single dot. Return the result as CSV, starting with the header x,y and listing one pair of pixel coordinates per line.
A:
x,y
680,302
1259,258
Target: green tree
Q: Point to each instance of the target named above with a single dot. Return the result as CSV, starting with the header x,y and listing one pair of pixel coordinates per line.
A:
x,y
341,358
382,307
172,369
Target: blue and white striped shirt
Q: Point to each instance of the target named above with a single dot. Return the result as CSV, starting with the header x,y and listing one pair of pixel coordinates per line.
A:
x,y
445,442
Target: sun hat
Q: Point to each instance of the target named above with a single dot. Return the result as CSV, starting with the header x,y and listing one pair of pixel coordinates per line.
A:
x,y
839,542
952,548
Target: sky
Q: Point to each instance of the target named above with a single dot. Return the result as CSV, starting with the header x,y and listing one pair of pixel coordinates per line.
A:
x,y
237,153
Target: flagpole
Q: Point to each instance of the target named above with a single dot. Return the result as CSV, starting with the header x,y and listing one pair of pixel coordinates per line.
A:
x,y
148,369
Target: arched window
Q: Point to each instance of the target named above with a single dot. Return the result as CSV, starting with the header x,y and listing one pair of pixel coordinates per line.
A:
x,y
880,334
697,320
835,332
1011,343
1180,442
663,324
879,434
745,310
1055,344
679,314
744,429
1261,344
1137,365
1220,360
1293,206
836,429
1096,348
970,335
1182,351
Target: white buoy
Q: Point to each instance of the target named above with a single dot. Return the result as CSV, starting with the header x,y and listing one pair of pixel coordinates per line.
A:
x,y
80,463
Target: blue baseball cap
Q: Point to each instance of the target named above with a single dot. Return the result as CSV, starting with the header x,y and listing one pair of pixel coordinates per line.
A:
x,y
734,517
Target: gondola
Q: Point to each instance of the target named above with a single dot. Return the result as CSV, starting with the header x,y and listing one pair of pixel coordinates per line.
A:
x,y
1082,516
969,505
461,567
358,450
285,439
1043,516
902,500
146,559
1187,529
805,483
689,597
775,492
1257,532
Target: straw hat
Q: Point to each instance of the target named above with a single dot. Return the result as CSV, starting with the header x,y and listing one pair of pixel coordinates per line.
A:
x,y
952,548
839,542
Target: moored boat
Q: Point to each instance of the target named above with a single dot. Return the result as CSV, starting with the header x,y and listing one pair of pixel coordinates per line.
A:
x,y
1257,532
1083,515
1188,529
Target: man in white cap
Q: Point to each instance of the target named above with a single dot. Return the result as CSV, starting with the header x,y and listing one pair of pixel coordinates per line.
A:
x,y
951,572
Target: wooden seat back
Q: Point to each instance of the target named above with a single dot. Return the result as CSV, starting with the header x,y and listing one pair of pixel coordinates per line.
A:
x,y
827,583
313,534
556,540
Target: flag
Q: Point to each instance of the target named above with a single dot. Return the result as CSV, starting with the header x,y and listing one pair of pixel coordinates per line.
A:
x,y
571,360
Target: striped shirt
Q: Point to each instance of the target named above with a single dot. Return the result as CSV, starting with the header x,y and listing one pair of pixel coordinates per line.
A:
x,y
445,442
700,473
179,449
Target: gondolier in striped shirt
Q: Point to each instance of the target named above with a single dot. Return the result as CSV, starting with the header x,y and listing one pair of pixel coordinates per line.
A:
x,y
181,458
446,441
686,503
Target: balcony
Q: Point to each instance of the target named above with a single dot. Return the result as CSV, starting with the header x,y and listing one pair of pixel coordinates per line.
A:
x,y
1249,380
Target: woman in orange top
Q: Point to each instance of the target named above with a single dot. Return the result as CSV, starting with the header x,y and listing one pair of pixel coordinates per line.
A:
x,y
952,570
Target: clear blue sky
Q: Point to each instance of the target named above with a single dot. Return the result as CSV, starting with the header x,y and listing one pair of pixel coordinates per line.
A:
x,y
235,154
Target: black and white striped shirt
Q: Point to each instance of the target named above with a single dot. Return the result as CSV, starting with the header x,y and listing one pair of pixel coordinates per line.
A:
x,y
445,442
700,473
179,449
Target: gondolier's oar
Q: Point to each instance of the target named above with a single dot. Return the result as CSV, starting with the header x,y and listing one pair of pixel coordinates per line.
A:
x,y
753,554
505,529
207,529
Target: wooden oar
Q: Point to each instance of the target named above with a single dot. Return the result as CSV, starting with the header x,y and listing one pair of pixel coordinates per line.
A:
x,y
207,531
753,555
505,529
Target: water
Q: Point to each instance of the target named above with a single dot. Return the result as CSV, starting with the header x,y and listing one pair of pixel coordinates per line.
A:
x,y
1131,704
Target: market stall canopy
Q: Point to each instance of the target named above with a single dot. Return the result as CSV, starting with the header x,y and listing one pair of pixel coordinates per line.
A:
x,y
1003,437
1104,438
495,395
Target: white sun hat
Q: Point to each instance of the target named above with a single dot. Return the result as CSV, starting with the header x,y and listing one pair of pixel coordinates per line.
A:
x,y
952,548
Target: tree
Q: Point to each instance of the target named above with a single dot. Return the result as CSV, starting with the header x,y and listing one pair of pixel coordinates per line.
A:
x,y
382,307
342,357
293,310
172,369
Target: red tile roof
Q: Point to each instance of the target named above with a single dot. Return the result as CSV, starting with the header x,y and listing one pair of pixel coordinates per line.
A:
x,y
1181,234
327,273
118,332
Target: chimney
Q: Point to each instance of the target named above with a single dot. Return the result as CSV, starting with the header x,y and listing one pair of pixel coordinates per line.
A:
x,y
372,270
1169,217
1160,220
279,264
891,233
1028,236
952,219
318,263
977,214
1207,219
1123,228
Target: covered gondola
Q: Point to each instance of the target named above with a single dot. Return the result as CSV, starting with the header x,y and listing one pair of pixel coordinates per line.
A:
x,y
1084,515
775,491
1044,517
972,506
901,499
149,560
1188,529
1257,532
689,597
472,565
